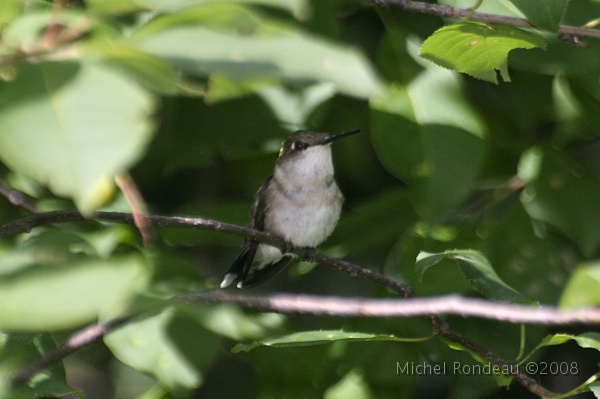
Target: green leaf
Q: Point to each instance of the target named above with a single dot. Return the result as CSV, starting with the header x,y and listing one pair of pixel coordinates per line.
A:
x,y
19,349
501,374
590,340
554,180
238,44
231,322
148,70
320,337
478,271
498,7
59,293
353,385
169,346
595,388
432,142
9,9
112,6
299,8
477,49
545,14
583,289
587,340
84,123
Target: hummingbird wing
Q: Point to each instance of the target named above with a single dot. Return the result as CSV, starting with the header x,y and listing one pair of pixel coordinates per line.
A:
x,y
238,271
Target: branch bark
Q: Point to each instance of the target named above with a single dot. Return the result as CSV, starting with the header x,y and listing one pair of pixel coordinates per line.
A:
x,y
80,339
365,307
440,327
444,11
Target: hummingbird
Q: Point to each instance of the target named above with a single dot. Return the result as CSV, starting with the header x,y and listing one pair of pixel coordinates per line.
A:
x,y
300,202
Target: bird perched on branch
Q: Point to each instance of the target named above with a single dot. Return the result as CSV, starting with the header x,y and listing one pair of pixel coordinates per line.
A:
x,y
300,202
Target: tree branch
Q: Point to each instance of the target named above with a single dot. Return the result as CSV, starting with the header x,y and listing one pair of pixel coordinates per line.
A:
x,y
439,326
444,11
78,340
365,307
24,225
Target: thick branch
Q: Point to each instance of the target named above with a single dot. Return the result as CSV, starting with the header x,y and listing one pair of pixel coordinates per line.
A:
x,y
440,327
364,307
444,11
26,224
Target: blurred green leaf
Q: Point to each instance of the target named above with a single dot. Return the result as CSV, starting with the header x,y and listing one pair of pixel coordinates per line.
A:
x,y
148,70
9,9
84,124
27,29
477,49
169,346
500,7
535,264
299,8
352,385
378,220
583,288
112,6
477,270
20,349
231,322
293,107
309,338
550,191
62,294
545,14
261,49
432,142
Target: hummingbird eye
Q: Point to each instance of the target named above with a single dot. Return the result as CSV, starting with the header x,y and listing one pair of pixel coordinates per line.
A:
x,y
299,146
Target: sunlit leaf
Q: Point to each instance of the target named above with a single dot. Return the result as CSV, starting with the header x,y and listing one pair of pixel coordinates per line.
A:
x,y
583,289
353,385
211,41
169,346
73,126
58,295
586,340
299,8
320,337
477,270
545,14
477,49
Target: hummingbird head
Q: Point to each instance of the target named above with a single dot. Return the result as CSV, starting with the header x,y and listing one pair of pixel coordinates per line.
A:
x,y
301,140
305,158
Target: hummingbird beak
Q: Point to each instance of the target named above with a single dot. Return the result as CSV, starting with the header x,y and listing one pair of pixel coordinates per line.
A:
x,y
339,136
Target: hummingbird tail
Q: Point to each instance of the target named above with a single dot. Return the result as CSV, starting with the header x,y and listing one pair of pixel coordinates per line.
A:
x,y
257,276
228,279
237,270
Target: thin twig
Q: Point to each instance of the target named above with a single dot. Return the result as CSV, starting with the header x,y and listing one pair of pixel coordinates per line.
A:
x,y
138,206
17,198
444,11
78,340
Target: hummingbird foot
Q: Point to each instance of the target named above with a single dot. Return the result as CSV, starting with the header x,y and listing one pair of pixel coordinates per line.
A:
x,y
309,253
288,247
